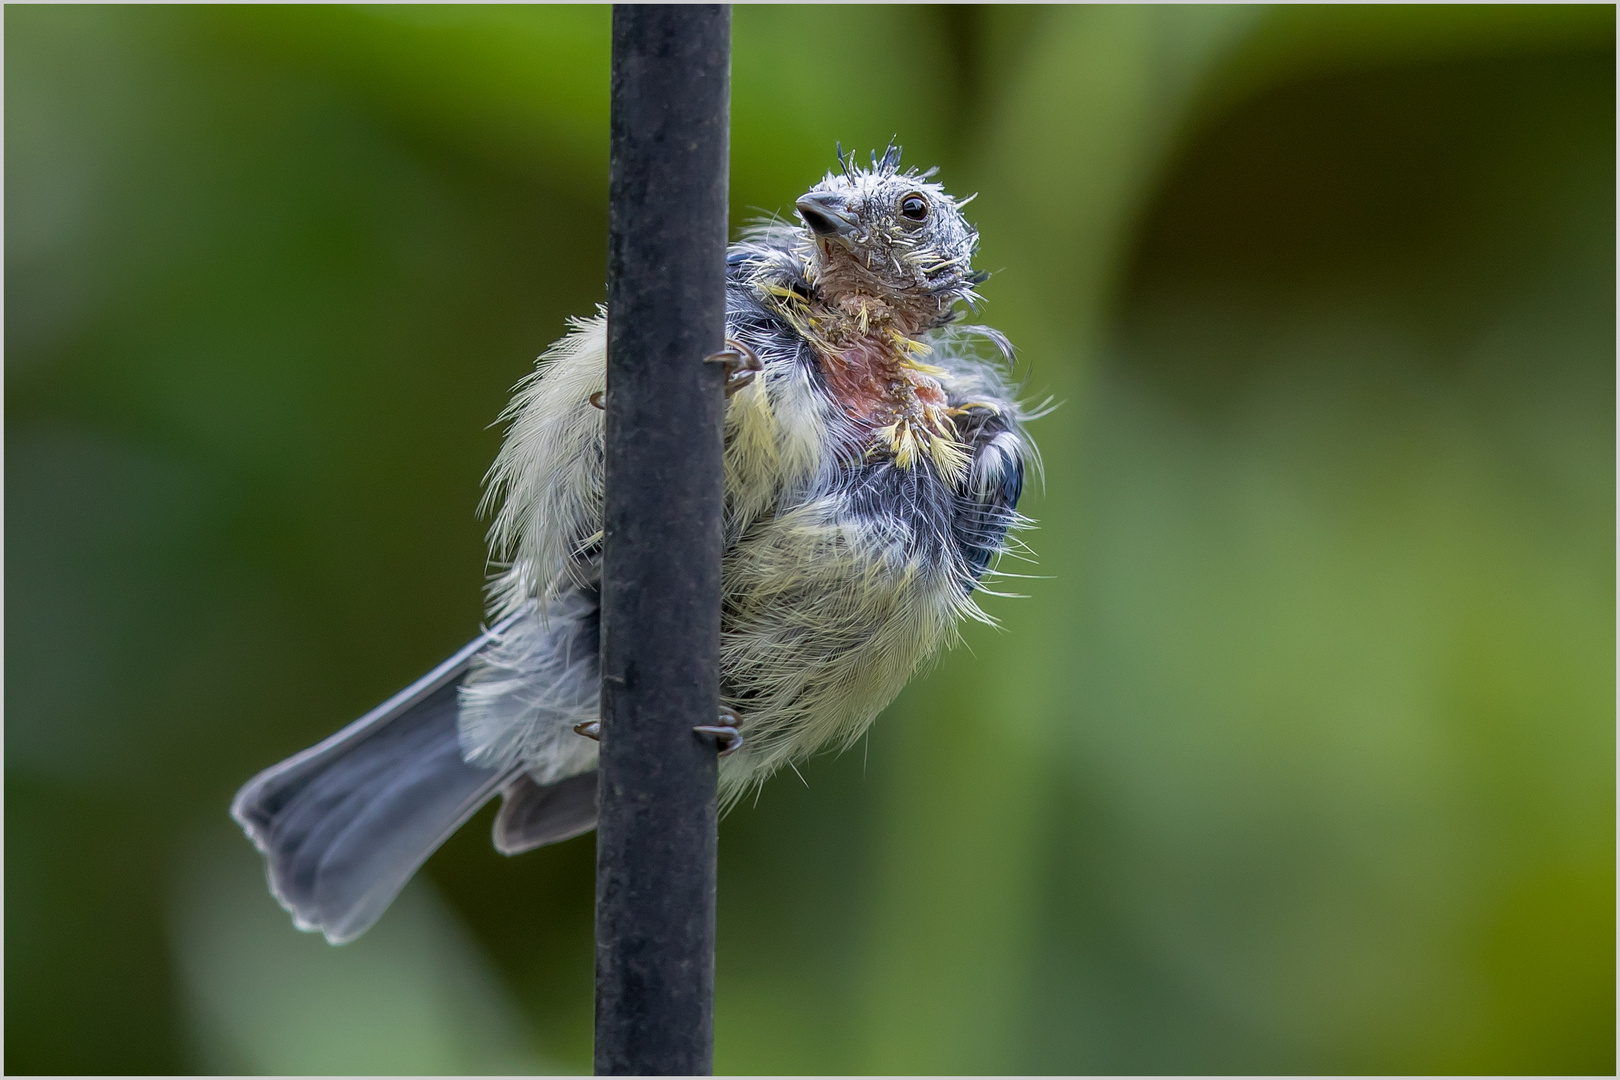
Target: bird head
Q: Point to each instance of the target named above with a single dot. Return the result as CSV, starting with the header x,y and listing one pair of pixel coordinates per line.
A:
x,y
890,236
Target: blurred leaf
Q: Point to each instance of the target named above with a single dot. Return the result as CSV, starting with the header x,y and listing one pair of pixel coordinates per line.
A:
x,y
411,996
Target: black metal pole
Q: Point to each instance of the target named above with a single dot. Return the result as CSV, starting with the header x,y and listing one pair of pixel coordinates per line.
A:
x,y
655,835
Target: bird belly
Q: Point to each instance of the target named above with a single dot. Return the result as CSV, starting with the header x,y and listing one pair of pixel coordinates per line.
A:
x,y
826,613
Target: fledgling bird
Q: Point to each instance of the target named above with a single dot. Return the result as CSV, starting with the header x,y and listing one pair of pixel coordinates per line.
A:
x,y
873,464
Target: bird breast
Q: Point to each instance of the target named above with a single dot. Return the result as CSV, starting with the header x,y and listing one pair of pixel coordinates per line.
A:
x,y
870,385
898,404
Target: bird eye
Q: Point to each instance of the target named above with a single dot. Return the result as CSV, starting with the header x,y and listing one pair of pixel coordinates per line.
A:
x,y
914,206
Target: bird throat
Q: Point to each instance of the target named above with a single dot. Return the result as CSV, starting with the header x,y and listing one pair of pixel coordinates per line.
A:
x,y
873,366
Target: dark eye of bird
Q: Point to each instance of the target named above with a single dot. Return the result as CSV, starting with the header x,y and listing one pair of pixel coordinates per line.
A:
x,y
914,206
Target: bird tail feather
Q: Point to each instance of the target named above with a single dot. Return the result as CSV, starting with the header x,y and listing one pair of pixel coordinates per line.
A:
x,y
345,824
533,815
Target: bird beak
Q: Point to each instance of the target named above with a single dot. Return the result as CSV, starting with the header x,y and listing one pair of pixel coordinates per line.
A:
x,y
826,219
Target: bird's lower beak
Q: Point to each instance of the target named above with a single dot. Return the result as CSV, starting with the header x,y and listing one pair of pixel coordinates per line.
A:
x,y
826,219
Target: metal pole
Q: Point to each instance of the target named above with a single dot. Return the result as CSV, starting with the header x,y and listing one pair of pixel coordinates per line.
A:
x,y
656,830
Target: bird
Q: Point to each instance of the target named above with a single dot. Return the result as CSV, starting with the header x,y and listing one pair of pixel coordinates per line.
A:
x,y
875,453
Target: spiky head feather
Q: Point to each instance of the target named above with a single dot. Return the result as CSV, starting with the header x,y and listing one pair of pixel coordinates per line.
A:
x,y
911,248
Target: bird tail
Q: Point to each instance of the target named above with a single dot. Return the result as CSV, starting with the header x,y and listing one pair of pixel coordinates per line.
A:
x,y
534,815
345,824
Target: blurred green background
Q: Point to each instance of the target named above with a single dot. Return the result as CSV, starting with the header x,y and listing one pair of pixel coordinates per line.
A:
x,y
1298,757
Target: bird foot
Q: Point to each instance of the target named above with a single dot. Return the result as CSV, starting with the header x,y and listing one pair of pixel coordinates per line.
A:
x,y
740,362
727,738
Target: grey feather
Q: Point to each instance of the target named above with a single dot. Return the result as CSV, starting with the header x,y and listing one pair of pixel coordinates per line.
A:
x,y
533,816
346,823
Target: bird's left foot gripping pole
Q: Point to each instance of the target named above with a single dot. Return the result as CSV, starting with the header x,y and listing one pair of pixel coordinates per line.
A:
x,y
656,831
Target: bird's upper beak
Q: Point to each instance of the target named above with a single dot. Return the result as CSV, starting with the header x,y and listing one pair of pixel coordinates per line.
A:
x,y
826,218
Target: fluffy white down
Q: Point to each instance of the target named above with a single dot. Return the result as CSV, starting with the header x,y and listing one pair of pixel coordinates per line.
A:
x,y
547,477
537,679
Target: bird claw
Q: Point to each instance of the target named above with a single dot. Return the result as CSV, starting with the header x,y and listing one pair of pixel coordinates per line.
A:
x,y
741,364
727,739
